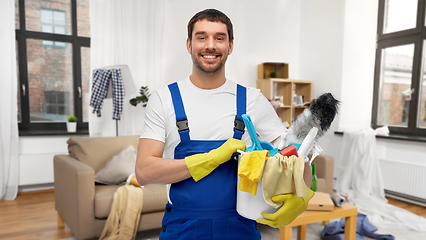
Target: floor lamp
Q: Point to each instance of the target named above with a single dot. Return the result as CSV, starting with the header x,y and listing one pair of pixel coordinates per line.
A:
x,y
129,85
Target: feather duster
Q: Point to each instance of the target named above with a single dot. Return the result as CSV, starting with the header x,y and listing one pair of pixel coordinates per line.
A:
x,y
320,114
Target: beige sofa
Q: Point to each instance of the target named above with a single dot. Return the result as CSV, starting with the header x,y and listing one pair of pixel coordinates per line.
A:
x,y
83,205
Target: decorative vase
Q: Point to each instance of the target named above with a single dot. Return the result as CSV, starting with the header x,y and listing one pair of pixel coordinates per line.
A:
x,y
71,126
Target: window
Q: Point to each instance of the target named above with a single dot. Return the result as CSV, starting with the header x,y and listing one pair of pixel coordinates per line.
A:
x,y
53,21
400,77
56,105
53,56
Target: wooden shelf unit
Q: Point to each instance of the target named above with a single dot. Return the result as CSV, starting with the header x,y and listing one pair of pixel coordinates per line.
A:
x,y
264,69
285,88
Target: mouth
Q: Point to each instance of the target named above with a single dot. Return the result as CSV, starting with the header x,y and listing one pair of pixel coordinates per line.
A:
x,y
210,56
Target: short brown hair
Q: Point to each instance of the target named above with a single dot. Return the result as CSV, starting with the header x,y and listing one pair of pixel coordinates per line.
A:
x,y
212,15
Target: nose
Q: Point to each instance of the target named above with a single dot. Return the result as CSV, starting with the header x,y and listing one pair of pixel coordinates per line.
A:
x,y
210,44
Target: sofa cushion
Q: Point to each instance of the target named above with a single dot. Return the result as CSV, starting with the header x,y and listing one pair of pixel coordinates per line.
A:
x,y
154,199
119,168
97,151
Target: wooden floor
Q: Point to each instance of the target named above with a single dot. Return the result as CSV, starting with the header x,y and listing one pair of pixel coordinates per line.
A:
x,y
33,216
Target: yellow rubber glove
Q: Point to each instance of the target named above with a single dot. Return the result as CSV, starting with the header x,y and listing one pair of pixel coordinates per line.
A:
x,y
201,165
292,207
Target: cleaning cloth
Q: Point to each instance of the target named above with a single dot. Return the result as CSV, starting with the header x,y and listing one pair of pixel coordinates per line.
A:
x,y
250,170
283,175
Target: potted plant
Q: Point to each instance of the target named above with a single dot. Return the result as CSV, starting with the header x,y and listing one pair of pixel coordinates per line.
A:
x,y
273,74
143,98
72,124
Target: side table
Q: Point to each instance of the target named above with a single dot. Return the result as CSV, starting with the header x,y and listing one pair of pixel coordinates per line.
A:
x,y
347,211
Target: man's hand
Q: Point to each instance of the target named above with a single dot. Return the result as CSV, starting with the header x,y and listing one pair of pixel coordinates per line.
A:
x,y
200,165
292,207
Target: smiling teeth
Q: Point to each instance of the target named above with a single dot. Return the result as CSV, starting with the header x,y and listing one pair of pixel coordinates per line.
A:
x,y
210,57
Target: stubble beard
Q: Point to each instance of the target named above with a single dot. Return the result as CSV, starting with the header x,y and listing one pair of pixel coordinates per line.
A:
x,y
205,70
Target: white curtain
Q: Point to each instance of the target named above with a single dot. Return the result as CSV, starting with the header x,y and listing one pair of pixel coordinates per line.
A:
x,y
125,32
9,140
359,179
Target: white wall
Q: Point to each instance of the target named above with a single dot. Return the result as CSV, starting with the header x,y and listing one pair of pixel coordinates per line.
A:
x,y
36,159
321,55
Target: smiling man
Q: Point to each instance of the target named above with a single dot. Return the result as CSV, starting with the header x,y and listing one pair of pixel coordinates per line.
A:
x,y
192,128
209,44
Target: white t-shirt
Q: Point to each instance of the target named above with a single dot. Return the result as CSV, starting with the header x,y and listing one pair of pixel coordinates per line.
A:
x,y
210,115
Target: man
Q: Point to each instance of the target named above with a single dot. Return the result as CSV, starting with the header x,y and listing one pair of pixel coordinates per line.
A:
x,y
191,130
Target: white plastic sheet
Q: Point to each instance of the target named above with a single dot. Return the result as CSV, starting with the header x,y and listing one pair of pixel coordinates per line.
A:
x,y
359,179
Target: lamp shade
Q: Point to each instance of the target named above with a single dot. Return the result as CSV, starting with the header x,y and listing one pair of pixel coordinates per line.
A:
x,y
129,85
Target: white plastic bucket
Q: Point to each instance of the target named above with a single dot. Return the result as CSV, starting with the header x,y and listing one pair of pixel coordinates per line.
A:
x,y
251,206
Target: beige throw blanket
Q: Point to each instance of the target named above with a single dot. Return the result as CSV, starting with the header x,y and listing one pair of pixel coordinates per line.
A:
x,y
123,220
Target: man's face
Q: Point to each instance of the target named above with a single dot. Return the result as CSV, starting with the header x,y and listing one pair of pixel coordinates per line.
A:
x,y
210,46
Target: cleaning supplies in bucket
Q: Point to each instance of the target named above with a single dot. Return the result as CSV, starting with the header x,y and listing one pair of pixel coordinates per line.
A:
x,y
251,199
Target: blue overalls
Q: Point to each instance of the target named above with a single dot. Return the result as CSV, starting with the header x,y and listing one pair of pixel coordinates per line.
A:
x,y
206,209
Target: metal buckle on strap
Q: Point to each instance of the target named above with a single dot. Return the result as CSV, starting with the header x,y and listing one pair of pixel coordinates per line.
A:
x,y
239,125
182,125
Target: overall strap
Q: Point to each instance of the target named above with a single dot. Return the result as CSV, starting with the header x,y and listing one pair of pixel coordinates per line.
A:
x,y
181,120
241,109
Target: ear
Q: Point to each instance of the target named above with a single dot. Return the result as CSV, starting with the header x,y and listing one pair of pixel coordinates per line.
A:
x,y
231,47
188,46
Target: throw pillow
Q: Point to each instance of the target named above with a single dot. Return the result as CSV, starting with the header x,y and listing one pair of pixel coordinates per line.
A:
x,y
97,151
119,168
